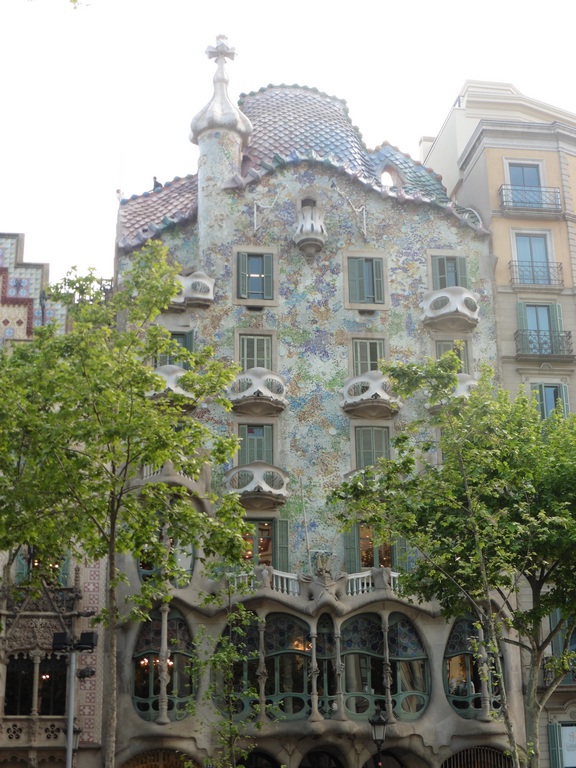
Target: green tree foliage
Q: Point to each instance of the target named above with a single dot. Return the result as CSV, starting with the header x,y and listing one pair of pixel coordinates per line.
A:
x,y
494,520
86,413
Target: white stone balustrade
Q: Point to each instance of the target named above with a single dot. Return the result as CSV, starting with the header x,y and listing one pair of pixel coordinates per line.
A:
x,y
258,392
260,485
450,309
197,291
369,395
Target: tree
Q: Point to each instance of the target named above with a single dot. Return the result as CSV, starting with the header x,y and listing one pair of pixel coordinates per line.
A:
x,y
86,414
497,514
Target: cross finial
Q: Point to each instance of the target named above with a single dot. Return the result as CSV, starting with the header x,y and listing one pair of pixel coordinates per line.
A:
x,y
221,50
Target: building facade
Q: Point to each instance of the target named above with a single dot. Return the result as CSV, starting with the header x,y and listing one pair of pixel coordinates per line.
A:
x,y
513,159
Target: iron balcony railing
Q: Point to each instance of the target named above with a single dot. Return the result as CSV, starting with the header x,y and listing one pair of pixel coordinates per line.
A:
x,y
543,343
530,198
536,273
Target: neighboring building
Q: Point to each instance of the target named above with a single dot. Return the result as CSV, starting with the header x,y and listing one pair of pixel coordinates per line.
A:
x,y
33,678
513,159
306,258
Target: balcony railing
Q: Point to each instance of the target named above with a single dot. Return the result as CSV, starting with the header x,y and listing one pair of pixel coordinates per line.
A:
x,y
277,581
259,484
369,395
363,582
544,343
536,273
545,199
454,308
33,732
258,391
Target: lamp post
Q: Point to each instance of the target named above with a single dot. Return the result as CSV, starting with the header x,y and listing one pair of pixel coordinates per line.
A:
x,y
378,723
63,642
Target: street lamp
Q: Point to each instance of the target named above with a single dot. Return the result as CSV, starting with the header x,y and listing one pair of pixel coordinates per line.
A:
x,y
378,723
63,642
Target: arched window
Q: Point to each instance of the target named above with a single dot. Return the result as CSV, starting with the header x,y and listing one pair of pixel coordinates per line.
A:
x,y
258,759
236,668
288,648
147,683
20,673
318,758
326,660
462,676
363,658
410,685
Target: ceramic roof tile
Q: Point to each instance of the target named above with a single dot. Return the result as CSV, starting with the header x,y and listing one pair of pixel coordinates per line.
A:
x,y
143,216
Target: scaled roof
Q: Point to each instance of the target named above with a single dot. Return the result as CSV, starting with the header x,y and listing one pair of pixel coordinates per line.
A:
x,y
292,124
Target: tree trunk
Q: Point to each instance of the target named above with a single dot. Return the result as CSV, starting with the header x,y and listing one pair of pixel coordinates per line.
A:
x,y
111,682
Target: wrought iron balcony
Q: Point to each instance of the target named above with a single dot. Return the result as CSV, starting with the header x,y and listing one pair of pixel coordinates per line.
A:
x,y
450,309
544,343
369,395
531,199
258,392
260,485
536,273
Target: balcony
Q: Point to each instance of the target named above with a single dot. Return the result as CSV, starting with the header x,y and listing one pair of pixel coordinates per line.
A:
x,y
166,473
369,396
197,291
543,344
258,392
536,273
310,234
530,200
450,309
39,733
463,388
170,375
261,486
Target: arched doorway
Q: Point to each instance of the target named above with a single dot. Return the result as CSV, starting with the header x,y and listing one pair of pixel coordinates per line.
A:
x,y
478,757
318,758
259,759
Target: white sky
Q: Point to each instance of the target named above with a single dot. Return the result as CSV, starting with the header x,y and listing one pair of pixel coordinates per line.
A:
x,y
101,97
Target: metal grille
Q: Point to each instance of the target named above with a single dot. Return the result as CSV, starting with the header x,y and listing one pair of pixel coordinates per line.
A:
x,y
478,757
530,198
543,342
536,273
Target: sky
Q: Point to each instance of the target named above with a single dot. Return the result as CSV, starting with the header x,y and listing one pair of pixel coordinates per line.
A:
x,y
100,97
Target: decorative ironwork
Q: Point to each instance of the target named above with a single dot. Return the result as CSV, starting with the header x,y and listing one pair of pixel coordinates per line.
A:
x,y
544,343
536,273
530,198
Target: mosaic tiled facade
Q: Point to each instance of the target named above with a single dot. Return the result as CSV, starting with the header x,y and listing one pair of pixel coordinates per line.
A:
x,y
305,257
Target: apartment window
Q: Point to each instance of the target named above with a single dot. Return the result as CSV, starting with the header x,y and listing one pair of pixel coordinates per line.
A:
x,y
365,280
448,271
267,544
362,551
372,555
525,185
366,353
23,676
186,341
548,395
372,443
255,352
255,276
257,443
540,330
146,682
532,259
31,563
459,348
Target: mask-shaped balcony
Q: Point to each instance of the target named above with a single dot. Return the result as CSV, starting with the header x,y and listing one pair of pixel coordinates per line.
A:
x,y
171,375
197,291
310,233
463,388
261,486
450,309
369,396
258,392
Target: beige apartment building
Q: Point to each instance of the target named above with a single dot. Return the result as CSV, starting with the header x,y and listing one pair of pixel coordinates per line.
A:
x,y
513,160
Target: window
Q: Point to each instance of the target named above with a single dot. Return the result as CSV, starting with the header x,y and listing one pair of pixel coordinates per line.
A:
x,y
409,667
371,444
186,340
260,543
288,648
238,687
532,259
255,352
366,353
548,396
147,679
460,349
540,330
462,674
560,646
51,685
30,564
326,685
449,271
255,273
361,551
256,443
365,280
525,185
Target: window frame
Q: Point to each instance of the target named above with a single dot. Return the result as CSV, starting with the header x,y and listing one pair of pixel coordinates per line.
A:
x,y
270,293
537,387
239,333
525,161
279,545
546,235
461,262
186,340
356,424
377,257
255,421
368,338
464,358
